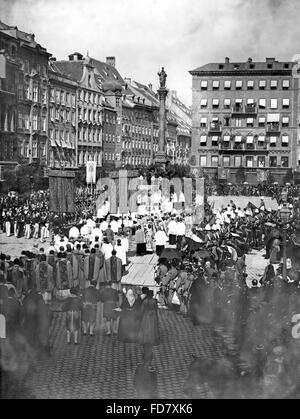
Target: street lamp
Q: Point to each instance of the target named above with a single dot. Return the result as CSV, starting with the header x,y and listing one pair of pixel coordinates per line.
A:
x,y
285,215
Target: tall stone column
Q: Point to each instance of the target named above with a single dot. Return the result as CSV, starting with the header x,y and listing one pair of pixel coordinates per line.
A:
x,y
161,156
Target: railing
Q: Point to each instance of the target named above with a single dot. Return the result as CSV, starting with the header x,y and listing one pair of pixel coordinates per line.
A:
x,y
214,127
247,109
242,147
273,127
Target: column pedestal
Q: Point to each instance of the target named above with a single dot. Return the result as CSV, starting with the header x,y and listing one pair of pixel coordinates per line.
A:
x,y
161,157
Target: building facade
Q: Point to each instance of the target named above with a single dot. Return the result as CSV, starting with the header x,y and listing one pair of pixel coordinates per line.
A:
x,y
245,115
28,78
62,125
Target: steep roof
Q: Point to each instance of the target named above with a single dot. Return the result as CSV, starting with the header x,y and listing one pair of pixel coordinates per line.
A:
x,y
103,72
25,37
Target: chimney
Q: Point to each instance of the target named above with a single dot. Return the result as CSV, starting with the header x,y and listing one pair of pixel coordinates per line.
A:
x,y
111,61
150,86
127,80
52,59
76,56
227,60
249,60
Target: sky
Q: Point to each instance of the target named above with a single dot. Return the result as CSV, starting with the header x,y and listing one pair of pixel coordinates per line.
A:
x,y
144,35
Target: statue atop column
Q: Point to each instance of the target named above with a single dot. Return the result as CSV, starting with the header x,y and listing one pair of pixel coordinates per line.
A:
x,y
162,78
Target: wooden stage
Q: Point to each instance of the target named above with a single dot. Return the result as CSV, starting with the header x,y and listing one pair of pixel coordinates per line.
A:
x,y
141,271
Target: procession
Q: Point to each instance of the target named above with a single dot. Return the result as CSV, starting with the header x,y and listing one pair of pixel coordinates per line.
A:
x,y
75,275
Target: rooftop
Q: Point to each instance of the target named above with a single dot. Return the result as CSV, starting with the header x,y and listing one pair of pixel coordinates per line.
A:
x,y
249,65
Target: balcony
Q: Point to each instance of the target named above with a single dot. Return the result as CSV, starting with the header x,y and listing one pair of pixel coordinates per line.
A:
x,y
244,110
215,127
273,128
242,147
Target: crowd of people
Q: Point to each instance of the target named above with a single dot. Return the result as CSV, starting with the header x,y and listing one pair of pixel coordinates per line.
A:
x,y
201,273
245,189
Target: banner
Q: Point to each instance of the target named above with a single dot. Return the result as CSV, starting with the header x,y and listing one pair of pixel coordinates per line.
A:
x,y
62,193
91,172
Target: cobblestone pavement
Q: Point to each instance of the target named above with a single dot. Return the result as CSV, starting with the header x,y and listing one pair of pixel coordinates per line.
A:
x,y
103,367
14,246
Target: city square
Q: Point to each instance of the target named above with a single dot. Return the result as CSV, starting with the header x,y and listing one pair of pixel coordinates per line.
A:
x,y
149,245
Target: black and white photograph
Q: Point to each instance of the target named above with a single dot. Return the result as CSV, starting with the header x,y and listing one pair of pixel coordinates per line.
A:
x,y
149,202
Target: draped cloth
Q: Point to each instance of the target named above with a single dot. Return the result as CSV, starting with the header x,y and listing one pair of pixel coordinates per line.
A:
x,y
17,277
30,269
62,193
114,271
78,269
64,277
44,277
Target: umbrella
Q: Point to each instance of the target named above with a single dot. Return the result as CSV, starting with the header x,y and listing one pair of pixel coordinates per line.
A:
x,y
245,183
275,183
201,254
171,254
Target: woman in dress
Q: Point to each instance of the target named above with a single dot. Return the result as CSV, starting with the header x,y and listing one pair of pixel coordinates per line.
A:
x,y
129,319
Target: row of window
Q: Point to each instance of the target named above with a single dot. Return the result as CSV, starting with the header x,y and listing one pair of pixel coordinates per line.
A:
x,y
62,115
273,141
90,97
7,121
110,119
127,129
111,138
237,161
37,150
62,97
248,84
137,160
38,123
216,123
90,135
85,156
35,94
142,145
238,104
90,115
112,157
62,134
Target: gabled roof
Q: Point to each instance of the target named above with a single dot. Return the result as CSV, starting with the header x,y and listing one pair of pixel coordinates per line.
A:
x,y
103,72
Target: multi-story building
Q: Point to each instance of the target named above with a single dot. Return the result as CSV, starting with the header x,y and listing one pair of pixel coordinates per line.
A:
x,y
245,115
8,102
179,147
62,126
29,79
93,78
109,136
